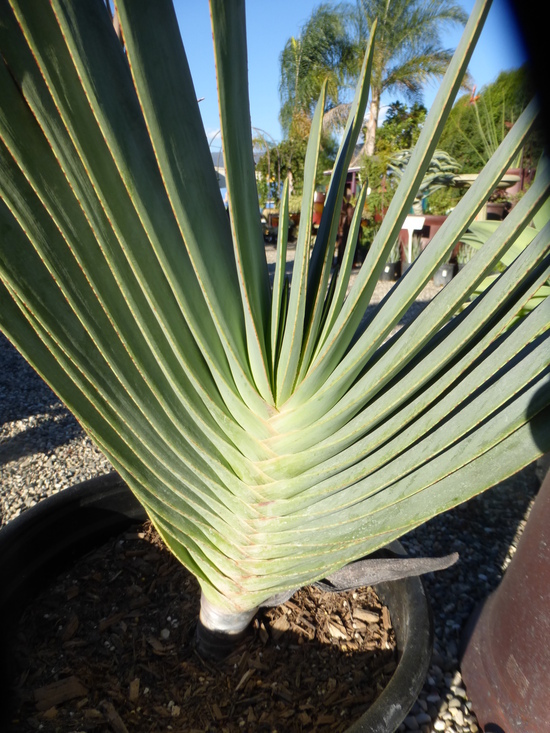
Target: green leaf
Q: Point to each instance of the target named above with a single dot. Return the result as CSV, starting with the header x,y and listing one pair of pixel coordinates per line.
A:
x,y
332,375
365,283
343,275
289,356
166,95
323,250
229,32
278,312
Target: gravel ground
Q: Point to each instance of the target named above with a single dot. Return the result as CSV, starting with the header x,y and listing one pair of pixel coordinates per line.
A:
x,y
43,450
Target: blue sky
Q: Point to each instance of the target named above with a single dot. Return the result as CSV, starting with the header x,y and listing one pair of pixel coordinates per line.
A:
x,y
270,25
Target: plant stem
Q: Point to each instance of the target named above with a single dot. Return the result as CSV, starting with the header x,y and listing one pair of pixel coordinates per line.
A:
x,y
218,631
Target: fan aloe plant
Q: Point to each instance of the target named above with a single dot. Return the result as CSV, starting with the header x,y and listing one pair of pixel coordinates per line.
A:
x,y
272,434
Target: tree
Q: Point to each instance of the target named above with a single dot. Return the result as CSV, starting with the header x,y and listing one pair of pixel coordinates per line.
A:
x,y
409,50
323,50
479,122
291,154
401,127
399,131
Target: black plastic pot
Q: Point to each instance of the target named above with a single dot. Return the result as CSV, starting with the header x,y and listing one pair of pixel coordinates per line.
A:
x,y
392,271
444,274
46,539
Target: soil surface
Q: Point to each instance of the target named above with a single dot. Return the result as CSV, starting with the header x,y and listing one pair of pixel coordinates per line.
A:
x,y
109,649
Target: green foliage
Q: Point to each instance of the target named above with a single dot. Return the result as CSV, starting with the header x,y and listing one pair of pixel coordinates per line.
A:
x,y
295,203
384,170
322,52
478,123
440,174
442,201
374,170
271,432
395,252
401,128
465,253
290,155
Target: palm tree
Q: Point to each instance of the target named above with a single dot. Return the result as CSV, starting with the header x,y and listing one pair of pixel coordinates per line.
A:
x,y
323,50
408,50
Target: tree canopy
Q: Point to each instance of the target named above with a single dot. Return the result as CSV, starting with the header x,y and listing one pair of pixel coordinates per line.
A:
x,y
408,49
479,122
401,127
332,43
323,50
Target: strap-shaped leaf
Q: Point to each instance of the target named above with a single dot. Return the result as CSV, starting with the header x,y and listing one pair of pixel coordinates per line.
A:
x,y
338,514
323,250
437,313
373,570
387,444
166,95
499,306
84,282
364,285
278,313
97,176
287,364
97,407
370,524
343,276
343,371
387,418
229,32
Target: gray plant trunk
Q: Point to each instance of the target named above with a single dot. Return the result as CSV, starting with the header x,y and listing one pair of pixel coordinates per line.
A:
x,y
219,632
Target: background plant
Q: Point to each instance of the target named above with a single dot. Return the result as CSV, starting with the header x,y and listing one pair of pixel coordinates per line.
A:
x,y
291,154
443,201
321,54
416,248
440,174
401,127
480,232
271,432
395,252
409,49
471,126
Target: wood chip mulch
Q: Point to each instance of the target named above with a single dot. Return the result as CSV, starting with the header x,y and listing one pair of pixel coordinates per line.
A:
x,y
109,649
